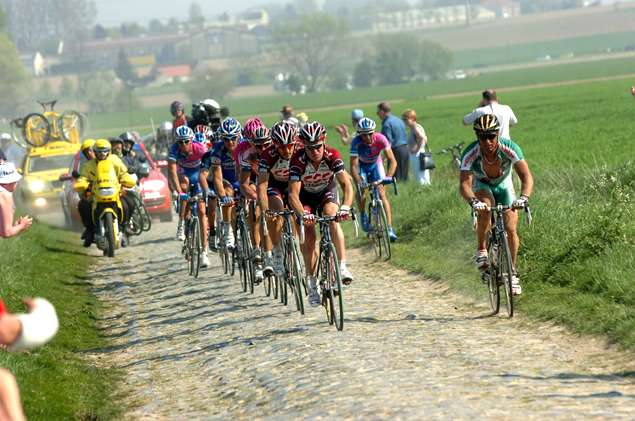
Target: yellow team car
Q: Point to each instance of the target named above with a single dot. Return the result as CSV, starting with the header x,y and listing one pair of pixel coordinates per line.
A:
x,y
40,187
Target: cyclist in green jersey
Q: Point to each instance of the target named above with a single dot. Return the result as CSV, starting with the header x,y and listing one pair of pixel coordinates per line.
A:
x,y
486,181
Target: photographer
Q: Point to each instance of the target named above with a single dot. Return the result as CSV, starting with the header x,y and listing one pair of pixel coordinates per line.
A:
x,y
205,113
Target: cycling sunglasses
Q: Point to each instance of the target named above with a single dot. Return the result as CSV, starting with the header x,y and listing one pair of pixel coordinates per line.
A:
x,y
289,146
229,138
314,147
183,141
262,145
369,134
489,136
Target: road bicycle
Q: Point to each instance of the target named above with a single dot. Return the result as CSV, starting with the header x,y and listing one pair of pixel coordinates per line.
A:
x,y
225,254
293,277
501,269
456,155
378,220
39,129
192,243
329,276
244,248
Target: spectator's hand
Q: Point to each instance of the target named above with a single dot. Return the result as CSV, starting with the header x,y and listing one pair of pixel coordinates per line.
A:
x,y
339,129
414,150
24,222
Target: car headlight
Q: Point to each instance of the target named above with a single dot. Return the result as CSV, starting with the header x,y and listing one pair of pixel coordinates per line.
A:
x,y
37,185
153,185
110,191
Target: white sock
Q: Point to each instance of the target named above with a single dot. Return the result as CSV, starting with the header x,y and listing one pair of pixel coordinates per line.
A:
x,y
313,281
268,254
277,250
343,264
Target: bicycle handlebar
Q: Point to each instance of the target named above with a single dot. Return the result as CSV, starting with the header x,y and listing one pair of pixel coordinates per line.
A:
x,y
378,183
502,208
449,148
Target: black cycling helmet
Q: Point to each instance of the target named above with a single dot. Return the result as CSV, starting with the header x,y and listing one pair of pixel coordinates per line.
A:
x,y
486,123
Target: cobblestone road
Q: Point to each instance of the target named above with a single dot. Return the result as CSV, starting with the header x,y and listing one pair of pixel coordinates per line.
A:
x,y
203,349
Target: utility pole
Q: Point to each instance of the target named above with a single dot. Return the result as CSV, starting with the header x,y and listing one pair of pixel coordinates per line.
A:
x,y
467,13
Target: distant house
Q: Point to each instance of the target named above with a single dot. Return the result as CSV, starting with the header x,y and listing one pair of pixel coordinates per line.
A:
x,y
172,74
502,8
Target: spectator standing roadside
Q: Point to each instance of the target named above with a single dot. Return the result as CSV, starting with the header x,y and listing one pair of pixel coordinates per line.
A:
x,y
395,131
2,157
342,129
417,141
180,119
9,178
224,113
490,105
11,153
286,113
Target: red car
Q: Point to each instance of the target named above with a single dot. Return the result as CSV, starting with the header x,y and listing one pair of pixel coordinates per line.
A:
x,y
154,190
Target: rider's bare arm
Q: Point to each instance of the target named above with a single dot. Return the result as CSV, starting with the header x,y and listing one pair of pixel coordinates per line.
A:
x,y
202,178
356,177
245,186
294,197
347,188
173,178
392,162
217,172
466,185
263,183
526,180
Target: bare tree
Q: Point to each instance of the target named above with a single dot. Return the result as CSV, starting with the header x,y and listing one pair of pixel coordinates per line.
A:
x,y
313,46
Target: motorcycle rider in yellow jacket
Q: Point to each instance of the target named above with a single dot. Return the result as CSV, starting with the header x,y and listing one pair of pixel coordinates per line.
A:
x,y
88,173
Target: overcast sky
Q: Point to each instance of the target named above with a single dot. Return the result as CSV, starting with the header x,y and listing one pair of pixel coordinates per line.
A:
x,y
115,12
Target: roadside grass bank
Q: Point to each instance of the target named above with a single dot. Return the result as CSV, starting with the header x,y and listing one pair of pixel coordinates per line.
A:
x,y
61,380
576,260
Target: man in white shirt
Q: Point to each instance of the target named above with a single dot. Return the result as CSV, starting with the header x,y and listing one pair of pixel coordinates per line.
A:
x,y
490,105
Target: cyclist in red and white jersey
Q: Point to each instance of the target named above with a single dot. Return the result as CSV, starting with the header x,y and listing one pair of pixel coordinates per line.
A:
x,y
273,184
312,175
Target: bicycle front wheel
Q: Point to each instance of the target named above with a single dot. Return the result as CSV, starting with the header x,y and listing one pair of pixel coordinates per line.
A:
x,y
195,261
224,258
36,130
275,286
492,282
375,229
74,126
231,261
333,284
296,274
266,284
506,270
384,229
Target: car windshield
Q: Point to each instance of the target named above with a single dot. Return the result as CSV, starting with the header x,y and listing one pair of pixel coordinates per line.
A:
x,y
49,163
138,152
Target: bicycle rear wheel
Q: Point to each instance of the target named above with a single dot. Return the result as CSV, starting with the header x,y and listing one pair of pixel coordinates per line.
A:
x,y
506,269
492,282
333,282
195,261
231,261
224,259
296,274
384,229
275,285
284,298
266,284
74,126
374,229
36,130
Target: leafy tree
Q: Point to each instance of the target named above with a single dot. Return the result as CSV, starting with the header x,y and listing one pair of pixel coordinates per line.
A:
x,y
102,92
46,91
131,29
155,26
363,74
124,70
4,21
197,20
436,60
396,58
14,80
209,84
100,32
67,89
313,45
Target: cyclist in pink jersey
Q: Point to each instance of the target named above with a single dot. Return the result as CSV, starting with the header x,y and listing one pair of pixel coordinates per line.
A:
x,y
366,166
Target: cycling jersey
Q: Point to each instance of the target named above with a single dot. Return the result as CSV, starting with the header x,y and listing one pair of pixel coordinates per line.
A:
x,y
272,163
509,153
219,156
190,162
369,154
316,180
246,157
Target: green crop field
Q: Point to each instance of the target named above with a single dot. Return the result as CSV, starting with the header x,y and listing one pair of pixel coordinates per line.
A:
x,y
113,123
465,59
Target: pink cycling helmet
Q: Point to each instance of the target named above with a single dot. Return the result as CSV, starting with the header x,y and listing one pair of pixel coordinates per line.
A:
x,y
251,125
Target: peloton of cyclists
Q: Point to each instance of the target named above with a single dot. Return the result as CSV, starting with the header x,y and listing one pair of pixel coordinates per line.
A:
x,y
486,181
187,155
312,175
367,167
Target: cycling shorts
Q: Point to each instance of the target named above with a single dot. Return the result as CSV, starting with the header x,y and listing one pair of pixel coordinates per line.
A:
x,y
503,192
193,177
371,172
311,201
276,188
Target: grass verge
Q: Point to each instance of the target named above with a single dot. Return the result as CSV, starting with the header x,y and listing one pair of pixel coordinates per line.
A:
x,y
58,381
